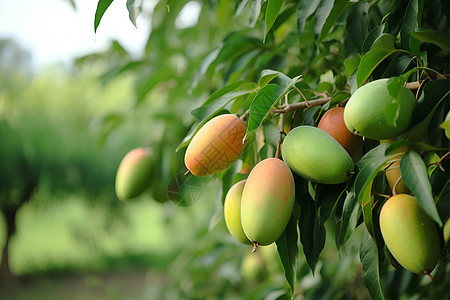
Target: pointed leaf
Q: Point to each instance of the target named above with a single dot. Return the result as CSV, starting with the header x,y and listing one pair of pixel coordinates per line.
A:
x,y
272,11
133,11
349,218
439,38
446,125
382,48
102,6
338,8
370,266
305,9
409,25
287,247
322,13
415,176
222,97
265,100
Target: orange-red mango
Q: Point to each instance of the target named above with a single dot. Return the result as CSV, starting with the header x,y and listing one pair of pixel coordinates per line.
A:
x,y
216,145
332,122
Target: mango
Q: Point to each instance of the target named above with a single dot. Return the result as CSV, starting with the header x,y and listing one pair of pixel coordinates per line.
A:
x,y
332,122
366,112
393,172
317,156
267,201
410,234
232,212
216,145
133,174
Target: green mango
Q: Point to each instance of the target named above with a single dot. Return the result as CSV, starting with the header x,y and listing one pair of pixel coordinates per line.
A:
x,y
267,201
133,174
410,234
232,212
317,156
366,112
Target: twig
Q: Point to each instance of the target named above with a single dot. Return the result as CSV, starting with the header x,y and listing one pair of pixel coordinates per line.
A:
x,y
302,105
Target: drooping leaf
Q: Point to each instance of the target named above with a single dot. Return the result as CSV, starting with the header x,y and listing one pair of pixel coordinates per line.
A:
x,y
322,13
287,246
133,11
409,25
102,6
312,233
370,266
338,8
348,219
305,9
439,38
357,24
415,177
382,48
369,166
272,10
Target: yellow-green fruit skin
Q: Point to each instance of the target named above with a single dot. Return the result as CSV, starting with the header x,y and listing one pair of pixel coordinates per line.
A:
x,y
410,234
232,212
267,201
365,112
216,145
446,231
317,156
133,174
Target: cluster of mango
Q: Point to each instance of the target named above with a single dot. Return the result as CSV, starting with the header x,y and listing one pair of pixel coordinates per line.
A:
x,y
258,209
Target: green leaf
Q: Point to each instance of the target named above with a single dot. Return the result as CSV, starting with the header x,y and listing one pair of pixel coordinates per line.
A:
x,y
432,96
370,266
272,11
351,64
357,24
439,38
102,6
133,11
410,24
322,13
265,100
305,9
221,98
170,2
373,35
312,233
287,246
369,166
348,219
267,76
337,10
382,48
446,125
415,176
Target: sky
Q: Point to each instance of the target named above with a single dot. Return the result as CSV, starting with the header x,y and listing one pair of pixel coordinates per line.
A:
x,y
53,32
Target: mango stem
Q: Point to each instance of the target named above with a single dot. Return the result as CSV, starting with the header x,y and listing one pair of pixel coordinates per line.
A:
x,y
255,245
